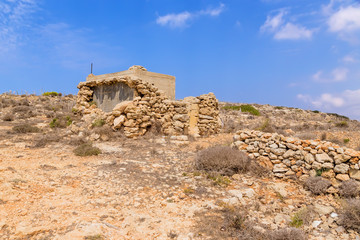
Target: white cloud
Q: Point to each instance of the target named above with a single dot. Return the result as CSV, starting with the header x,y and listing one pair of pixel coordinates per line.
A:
x,y
174,20
345,20
349,59
14,19
317,76
213,11
339,74
346,102
284,30
273,23
292,31
180,20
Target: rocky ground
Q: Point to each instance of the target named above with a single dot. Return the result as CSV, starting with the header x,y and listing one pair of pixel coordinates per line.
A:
x,y
148,188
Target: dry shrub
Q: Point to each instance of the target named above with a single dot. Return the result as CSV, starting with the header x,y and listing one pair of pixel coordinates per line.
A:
x,y
42,141
233,223
349,189
226,160
25,128
155,129
8,117
21,109
349,216
230,126
86,149
23,102
317,185
105,130
76,141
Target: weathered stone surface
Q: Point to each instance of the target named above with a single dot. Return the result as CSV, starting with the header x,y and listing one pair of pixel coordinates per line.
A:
x,y
341,168
118,122
355,174
322,158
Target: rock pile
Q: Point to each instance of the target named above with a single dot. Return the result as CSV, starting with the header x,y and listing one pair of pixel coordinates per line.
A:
x,y
150,107
287,156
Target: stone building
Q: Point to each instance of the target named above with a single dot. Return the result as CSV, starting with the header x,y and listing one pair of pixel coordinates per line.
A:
x,y
135,100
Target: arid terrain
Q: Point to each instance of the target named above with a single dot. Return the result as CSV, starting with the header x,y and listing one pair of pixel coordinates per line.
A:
x,y
150,187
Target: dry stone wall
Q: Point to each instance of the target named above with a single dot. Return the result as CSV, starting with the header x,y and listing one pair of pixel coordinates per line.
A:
x,y
289,156
151,107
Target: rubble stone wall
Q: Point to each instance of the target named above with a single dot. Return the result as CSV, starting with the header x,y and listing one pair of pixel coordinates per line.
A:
x,y
150,106
287,156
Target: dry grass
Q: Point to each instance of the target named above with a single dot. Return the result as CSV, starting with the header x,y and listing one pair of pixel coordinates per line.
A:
x,y
226,161
317,185
349,189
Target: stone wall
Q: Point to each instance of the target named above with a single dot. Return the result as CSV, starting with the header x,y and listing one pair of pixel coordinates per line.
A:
x,y
151,107
289,156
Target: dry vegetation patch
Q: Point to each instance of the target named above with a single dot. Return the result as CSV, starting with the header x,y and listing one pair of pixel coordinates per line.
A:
x,y
226,161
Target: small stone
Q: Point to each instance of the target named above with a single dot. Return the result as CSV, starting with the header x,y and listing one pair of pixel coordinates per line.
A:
x,y
315,224
341,168
342,177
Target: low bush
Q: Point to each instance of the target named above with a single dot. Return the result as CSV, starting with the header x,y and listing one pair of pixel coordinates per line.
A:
x,y
86,149
50,94
25,128
231,107
8,117
342,124
226,161
266,126
60,122
98,123
250,109
349,189
302,217
349,216
317,185
42,141
234,223
346,140
338,116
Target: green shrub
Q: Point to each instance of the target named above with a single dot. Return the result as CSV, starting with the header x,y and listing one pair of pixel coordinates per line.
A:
x,y
50,94
338,116
250,109
346,140
231,107
303,216
86,149
61,122
316,111
94,237
25,128
98,123
279,107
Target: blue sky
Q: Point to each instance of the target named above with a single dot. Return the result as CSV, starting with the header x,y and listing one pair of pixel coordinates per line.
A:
x,y
302,53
